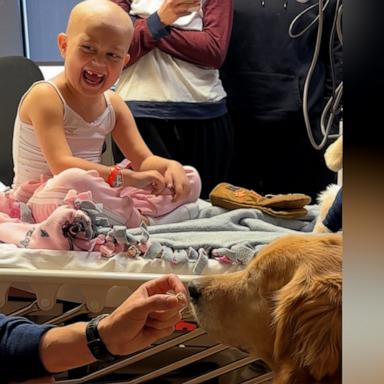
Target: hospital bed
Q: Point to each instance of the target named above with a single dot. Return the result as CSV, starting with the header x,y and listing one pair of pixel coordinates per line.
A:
x,y
68,285
95,292
62,286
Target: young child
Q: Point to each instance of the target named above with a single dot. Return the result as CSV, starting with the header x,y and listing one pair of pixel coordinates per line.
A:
x,y
62,124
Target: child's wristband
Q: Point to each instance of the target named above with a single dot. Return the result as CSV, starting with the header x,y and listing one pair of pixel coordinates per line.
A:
x,y
115,177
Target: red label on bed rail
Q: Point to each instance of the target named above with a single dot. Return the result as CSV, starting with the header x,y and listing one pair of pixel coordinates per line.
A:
x,y
184,326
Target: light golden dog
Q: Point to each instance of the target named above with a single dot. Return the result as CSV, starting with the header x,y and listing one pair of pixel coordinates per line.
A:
x,y
284,308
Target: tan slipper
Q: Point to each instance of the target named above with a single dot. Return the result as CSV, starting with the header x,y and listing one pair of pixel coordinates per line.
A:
x,y
290,205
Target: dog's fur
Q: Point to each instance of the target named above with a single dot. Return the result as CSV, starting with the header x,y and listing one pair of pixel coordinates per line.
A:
x,y
333,157
284,308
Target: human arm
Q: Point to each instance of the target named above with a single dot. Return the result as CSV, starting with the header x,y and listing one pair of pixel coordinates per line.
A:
x,y
125,4
19,347
131,144
43,109
147,315
175,178
142,39
147,31
206,48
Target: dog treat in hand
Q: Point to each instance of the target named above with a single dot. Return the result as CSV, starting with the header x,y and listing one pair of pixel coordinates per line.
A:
x,y
181,298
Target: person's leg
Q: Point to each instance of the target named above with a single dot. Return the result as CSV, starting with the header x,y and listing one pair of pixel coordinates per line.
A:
x,y
25,191
124,206
207,145
151,131
155,206
54,192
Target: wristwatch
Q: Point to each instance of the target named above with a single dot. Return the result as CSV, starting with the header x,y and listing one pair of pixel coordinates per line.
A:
x,y
94,342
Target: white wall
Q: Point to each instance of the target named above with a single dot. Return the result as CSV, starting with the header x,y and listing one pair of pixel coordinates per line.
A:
x,y
50,71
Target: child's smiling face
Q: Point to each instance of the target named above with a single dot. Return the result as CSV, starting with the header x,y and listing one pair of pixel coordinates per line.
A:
x,y
95,49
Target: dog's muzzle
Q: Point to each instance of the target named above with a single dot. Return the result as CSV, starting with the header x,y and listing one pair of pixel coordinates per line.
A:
x,y
194,292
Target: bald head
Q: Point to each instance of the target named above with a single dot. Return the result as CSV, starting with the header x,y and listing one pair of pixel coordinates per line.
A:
x,y
99,14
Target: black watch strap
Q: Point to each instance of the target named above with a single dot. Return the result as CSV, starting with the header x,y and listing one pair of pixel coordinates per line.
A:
x,y
94,342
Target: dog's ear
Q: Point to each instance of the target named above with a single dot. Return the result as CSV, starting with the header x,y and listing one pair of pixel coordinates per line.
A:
x,y
307,317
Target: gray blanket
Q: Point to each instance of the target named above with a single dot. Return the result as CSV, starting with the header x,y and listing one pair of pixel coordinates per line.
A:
x,y
217,228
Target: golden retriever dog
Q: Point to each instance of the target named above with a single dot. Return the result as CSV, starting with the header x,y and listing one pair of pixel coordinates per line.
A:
x,y
284,308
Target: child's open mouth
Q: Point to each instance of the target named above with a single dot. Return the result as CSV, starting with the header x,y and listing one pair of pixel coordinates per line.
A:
x,y
92,78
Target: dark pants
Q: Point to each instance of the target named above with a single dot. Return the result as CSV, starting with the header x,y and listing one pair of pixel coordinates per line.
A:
x,y
277,157
206,145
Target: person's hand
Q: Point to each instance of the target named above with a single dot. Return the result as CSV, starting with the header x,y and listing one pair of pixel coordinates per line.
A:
x,y
171,10
147,315
176,180
152,180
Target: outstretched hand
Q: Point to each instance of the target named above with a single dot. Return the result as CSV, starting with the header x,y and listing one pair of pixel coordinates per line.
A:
x,y
150,313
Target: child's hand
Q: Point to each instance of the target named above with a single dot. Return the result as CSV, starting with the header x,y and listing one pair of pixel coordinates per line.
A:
x,y
152,180
176,180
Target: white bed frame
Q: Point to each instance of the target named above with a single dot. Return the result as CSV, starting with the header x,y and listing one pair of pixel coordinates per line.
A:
x,y
95,292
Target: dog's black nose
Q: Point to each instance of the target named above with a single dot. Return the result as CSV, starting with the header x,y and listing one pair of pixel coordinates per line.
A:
x,y
194,291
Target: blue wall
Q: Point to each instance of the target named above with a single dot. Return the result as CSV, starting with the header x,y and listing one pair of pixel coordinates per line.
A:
x,y
45,19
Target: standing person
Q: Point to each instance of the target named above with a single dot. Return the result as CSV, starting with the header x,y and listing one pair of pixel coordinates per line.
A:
x,y
61,126
172,83
32,351
264,75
